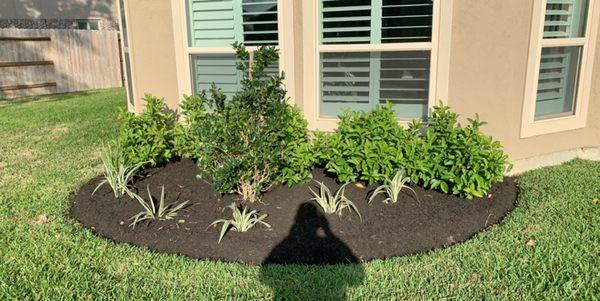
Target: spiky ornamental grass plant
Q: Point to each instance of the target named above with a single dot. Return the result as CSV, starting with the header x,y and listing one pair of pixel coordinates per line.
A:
x,y
118,170
392,188
333,203
242,221
151,212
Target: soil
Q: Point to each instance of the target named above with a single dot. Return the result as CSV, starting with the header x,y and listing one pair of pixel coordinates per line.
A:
x,y
300,232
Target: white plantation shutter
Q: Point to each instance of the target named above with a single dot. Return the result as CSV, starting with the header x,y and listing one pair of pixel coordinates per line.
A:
x,y
564,18
361,80
559,66
220,23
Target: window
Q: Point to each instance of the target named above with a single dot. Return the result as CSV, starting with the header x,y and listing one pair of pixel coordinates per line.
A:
x,y
370,52
559,77
214,25
87,24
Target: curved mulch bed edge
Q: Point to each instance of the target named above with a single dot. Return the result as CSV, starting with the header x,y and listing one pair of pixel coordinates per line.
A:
x,y
300,233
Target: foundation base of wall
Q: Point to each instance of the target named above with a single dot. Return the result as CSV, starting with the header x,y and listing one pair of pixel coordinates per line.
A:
x,y
523,165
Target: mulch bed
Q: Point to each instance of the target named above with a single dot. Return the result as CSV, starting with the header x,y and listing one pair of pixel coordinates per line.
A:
x,y
300,232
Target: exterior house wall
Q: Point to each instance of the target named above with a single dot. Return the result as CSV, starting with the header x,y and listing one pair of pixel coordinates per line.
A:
x,y
488,70
152,50
58,14
489,53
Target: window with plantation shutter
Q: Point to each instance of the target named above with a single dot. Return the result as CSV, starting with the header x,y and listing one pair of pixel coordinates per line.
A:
x,y
559,65
557,92
213,25
362,80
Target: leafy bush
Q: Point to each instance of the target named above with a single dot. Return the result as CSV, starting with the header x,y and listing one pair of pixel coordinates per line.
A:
x,y
150,136
372,146
366,146
242,221
118,171
467,162
151,212
333,203
253,141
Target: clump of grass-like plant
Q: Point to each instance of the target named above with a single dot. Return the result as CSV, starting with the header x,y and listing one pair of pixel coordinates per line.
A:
x,y
333,203
241,221
392,188
152,212
118,170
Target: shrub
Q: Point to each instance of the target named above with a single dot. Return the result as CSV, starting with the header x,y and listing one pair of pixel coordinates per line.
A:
x,y
150,136
151,212
333,203
467,162
253,141
118,170
242,221
367,146
372,146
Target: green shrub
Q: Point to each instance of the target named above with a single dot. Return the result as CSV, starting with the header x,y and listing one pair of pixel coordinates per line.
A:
x,y
366,146
372,146
253,141
150,136
467,162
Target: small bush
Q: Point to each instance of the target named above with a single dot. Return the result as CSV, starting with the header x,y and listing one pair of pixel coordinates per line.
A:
x,y
118,171
366,146
466,161
253,141
150,136
372,146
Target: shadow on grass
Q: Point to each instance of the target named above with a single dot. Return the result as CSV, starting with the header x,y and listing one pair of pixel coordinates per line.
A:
x,y
46,98
324,266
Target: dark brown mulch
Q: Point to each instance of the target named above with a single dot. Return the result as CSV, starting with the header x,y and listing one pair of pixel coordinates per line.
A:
x,y
301,232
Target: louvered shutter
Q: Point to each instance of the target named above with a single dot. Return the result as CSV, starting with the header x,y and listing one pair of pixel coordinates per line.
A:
x,y
559,65
359,81
563,18
217,68
216,23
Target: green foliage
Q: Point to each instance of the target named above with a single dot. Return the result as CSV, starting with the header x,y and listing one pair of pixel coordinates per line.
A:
x,y
392,188
372,146
242,220
118,170
253,141
150,136
366,146
465,161
152,212
333,203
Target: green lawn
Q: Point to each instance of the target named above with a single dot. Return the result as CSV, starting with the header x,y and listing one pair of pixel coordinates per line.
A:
x,y
548,248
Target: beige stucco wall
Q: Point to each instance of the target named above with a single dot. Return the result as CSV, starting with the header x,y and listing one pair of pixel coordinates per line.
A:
x,y
488,67
489,54
152,49
58,9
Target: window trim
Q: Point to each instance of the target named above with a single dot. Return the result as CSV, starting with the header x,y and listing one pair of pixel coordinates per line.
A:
x,y
285,24
312,48
531,127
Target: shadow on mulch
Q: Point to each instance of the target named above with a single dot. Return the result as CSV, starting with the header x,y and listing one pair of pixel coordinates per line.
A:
x,y
300,232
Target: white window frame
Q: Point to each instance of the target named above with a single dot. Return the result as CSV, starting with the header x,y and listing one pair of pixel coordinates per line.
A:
x,y
285,17
531,127
439,48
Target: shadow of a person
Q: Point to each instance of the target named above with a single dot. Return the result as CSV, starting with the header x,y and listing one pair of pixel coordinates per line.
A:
x,y
319,266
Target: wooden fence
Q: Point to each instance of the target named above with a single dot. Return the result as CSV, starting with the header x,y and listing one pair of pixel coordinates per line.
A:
x,y
45,61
